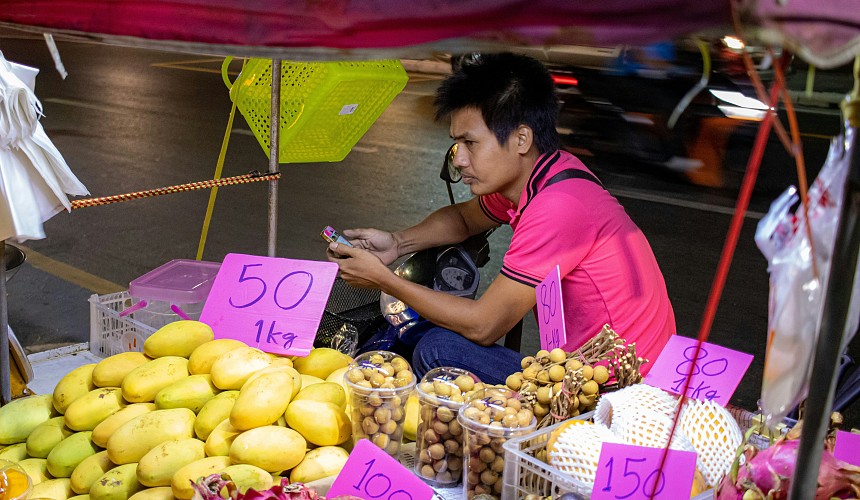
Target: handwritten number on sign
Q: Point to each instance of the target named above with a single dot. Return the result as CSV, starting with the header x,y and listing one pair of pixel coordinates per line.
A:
x,y
378,485
295,275
653,484
549,301
271,337
243,278
710,369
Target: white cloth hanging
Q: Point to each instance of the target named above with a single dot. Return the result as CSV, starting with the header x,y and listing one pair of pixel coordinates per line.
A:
x,y
34,177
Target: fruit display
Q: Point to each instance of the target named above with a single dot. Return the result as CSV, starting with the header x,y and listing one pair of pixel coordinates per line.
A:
x,y
379,384
147,425
489,419
560,385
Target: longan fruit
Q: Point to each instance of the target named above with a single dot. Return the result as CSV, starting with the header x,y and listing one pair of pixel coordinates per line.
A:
x,y
543,376
530,372
601,374
544,395
557,355
543,353
587,372
556,373
573,365
514,381
526,362
590,388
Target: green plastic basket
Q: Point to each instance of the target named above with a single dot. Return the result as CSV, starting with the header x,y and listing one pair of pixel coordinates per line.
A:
x,y
325,106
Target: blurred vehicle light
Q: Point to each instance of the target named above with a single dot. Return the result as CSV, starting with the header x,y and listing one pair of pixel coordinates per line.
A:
x,y
733,42
742,113
738,99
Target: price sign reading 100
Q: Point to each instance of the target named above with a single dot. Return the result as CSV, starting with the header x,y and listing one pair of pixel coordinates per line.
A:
x,y
269,303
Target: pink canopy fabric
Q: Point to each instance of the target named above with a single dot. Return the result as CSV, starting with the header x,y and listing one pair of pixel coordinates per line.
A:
x,y
826,33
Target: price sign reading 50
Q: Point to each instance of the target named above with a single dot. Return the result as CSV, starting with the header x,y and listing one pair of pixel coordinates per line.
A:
x,y
714,371
551,311
635,472
371,473
269,303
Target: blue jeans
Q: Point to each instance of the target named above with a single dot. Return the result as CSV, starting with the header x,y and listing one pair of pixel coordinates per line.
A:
x,y
442,347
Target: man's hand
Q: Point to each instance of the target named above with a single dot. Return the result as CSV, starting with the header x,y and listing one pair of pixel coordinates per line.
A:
x,y
380,243
358,267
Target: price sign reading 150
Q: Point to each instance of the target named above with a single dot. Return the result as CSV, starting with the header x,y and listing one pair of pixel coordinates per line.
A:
x,y
270,303
550,310
637,472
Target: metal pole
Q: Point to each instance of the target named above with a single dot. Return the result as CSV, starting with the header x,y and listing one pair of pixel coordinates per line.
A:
x,y
274,139
822,383
5,366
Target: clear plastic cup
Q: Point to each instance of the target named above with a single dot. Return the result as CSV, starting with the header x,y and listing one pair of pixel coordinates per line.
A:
x,y
439,439
15,483
379,383
488,420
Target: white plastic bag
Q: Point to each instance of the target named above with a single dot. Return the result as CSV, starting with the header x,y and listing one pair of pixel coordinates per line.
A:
x,y
796,295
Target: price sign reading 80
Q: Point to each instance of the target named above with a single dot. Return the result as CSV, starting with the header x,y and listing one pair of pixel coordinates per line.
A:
x,y
637,472
269,303
551,311
714,371
371,473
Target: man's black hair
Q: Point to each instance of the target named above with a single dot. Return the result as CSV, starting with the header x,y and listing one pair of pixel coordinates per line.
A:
x,y
509,90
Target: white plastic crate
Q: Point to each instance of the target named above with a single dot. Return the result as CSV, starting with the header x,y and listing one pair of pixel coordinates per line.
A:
x,y
111,333
526,475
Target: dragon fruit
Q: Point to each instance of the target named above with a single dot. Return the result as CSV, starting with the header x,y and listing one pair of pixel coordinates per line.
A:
x,y
766,474
210,488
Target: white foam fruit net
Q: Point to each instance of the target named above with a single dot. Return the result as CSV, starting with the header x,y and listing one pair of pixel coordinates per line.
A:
x,y
642,427
577,451
715,435
637,396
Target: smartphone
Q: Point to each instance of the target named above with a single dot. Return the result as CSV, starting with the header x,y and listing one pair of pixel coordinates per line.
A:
x,y
331,235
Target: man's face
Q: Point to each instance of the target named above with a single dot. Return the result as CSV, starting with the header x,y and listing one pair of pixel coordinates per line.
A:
x,y
487,167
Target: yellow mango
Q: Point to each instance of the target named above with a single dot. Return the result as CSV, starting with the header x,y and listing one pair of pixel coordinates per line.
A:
x,y
410,422
337,376
179,338
156,468
14,452
278,360
309,380
73,385
202,358
319,463
329,392
262,400
106,427
143,383
89,470
118,483
232,369
297,377
270,448
214,412
110,371
53,489
36,468
46,435
182,478
191,392
133,439
19,417
321,361
247,476
159,493
70,452
88,411
219,440
323,424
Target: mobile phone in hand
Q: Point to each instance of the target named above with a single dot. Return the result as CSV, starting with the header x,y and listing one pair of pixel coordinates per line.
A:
x,y
331,235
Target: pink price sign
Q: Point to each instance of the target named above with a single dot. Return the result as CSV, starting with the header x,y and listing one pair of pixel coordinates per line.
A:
x,y
716,371
550,311
847,447
269,303
635,472
369,472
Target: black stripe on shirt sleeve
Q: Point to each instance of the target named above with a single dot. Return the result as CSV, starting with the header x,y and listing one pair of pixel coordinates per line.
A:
x,y
487,212
519,277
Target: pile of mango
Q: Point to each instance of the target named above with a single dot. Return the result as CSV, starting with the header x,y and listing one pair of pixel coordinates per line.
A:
x,y
145,425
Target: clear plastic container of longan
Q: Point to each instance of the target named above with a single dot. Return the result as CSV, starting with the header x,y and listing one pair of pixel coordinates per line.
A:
x,y
379,383
439,438
489,419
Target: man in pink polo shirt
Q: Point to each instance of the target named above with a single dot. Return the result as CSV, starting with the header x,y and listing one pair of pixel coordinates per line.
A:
x,y
503,112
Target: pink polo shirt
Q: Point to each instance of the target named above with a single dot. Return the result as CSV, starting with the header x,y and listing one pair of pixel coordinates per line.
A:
x,y
609,273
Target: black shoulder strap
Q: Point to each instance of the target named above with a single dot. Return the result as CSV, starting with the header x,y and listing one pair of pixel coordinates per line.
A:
x,y
570,173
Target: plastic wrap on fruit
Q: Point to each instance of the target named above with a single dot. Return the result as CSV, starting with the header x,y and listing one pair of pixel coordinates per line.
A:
x,y
215,486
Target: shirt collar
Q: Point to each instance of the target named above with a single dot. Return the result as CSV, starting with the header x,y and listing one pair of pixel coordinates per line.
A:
x,y
539,171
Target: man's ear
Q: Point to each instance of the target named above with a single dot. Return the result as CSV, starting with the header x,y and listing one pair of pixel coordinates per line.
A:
x,y
524,137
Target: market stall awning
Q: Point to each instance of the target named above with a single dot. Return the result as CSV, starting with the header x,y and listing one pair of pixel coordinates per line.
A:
x,y
826,33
